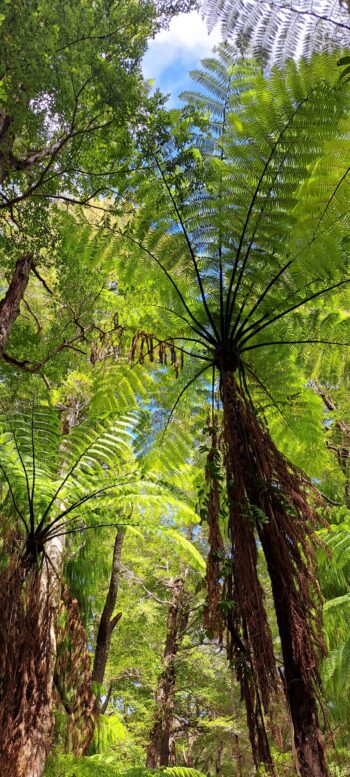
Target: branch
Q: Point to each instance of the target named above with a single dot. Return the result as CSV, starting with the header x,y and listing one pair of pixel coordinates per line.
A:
x,y
41,279
10,305
34,367
131,576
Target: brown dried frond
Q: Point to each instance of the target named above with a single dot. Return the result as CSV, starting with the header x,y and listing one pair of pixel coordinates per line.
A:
x,y
146,345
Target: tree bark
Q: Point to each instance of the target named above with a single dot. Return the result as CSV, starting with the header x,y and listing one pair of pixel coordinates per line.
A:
x,y
25,752
308,737
253,466
10,304
107,622
35,749
251,647
236,749
161,748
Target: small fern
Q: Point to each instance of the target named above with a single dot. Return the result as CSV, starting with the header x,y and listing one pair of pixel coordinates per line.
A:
x,y
100,766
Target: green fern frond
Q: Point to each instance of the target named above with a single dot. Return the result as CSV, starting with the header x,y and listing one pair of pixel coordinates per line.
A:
x,y
275,30
107,766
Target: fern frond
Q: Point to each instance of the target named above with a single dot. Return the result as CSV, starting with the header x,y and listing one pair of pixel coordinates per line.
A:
x,y
275,30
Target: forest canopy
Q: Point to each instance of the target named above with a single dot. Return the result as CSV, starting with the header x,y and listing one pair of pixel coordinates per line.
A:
x,y
174,376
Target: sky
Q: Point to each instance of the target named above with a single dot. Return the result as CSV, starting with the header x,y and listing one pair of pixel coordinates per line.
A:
x,y
177,50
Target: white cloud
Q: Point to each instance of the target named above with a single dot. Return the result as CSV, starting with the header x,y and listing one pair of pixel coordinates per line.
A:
x,y
178,49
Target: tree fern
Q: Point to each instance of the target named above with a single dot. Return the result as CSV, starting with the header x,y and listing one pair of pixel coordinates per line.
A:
x,y
55,484
248,271
265,216
276,30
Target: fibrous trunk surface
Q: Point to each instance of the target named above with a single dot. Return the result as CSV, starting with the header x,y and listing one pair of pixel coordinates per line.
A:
x,y
269,502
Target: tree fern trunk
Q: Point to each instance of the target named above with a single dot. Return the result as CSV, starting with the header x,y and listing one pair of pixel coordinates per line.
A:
x,y
35,748
28,652
268,500
301,699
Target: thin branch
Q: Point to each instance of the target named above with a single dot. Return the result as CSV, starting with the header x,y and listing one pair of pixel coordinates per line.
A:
x,y
131,576
42,280
87,37
34,367
34,316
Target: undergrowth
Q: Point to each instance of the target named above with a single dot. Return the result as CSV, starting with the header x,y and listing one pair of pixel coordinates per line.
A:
x,y
99,766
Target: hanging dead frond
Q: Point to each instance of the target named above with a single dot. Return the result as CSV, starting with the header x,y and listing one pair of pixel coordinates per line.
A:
x,y
146,345
108,343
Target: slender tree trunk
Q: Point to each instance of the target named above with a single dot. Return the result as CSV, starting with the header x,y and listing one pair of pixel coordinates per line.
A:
x,y
282,519
160,747
219,758
9,305
105,630
236,750
108,622
188,752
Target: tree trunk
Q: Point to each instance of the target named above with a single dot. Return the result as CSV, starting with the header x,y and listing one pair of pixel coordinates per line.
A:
x,y
35,749
268,499
105,630
160,748
107,622
236,750
9,305
308,738
251,647
31,644
28,652
219,758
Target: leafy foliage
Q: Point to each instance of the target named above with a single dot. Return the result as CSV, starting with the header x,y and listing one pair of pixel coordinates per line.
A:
x,y
275,30
107,766
272,158
197,244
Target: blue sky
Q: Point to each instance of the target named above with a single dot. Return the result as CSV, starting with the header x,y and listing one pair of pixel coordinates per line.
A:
x,y
177,50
